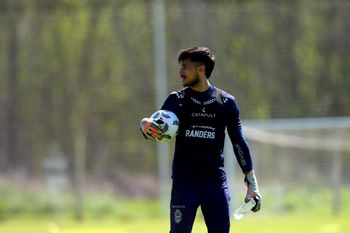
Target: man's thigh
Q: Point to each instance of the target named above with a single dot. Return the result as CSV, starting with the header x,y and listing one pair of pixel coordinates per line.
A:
x,y
183,207
216,210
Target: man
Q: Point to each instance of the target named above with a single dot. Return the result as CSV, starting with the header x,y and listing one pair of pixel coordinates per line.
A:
x,y
198,172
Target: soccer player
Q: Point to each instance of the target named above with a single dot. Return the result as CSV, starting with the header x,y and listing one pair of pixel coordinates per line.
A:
x,y
198,172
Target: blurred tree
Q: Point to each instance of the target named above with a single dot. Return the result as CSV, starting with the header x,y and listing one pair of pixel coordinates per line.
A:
x,y
12,152
80,73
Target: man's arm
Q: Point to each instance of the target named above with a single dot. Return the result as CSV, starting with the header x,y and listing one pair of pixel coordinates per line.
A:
x,y
241,149
234,129
174,102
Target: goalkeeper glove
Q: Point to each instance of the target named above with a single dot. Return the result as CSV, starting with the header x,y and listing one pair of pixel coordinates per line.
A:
x,y
150,129
252,190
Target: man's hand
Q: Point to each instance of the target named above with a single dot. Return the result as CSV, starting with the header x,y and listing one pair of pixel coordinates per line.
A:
x,y
252,190
150,129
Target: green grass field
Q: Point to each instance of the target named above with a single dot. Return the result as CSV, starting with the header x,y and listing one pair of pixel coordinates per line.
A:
x,y
300,212
250,224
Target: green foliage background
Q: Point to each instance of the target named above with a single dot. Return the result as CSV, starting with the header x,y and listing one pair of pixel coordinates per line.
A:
x,y
83,71
66,64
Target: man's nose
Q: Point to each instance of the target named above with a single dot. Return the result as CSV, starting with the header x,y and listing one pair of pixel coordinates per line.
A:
x,y
181,71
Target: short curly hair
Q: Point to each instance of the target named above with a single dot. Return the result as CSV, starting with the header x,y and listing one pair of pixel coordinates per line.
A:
x,y
199,54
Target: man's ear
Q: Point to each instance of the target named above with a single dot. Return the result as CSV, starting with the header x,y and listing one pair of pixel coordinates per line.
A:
x,y
201,68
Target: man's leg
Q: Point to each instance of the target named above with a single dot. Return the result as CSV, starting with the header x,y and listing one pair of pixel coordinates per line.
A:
x,y
216,211
183,207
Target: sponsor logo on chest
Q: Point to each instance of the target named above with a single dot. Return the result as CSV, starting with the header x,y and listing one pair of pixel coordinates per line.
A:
x,y
196,131
203,112
191,133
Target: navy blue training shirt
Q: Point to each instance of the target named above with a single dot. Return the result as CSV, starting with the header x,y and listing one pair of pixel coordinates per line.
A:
x,y
199,145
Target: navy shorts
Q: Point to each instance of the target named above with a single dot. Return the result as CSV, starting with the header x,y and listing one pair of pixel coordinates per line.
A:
x,y
187,197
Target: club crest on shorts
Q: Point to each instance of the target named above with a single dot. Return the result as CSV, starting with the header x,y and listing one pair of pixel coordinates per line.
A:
x,y
177,216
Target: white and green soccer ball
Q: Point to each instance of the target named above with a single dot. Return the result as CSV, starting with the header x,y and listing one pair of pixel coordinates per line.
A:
x,y
169,123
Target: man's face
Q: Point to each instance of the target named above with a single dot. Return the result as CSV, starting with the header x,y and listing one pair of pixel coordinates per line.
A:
x,y
189,73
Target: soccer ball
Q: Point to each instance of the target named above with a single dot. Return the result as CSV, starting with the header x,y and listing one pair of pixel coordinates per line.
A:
x,y
169,122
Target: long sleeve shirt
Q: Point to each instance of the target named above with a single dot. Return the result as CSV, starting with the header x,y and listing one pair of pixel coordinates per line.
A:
x,y
203,117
